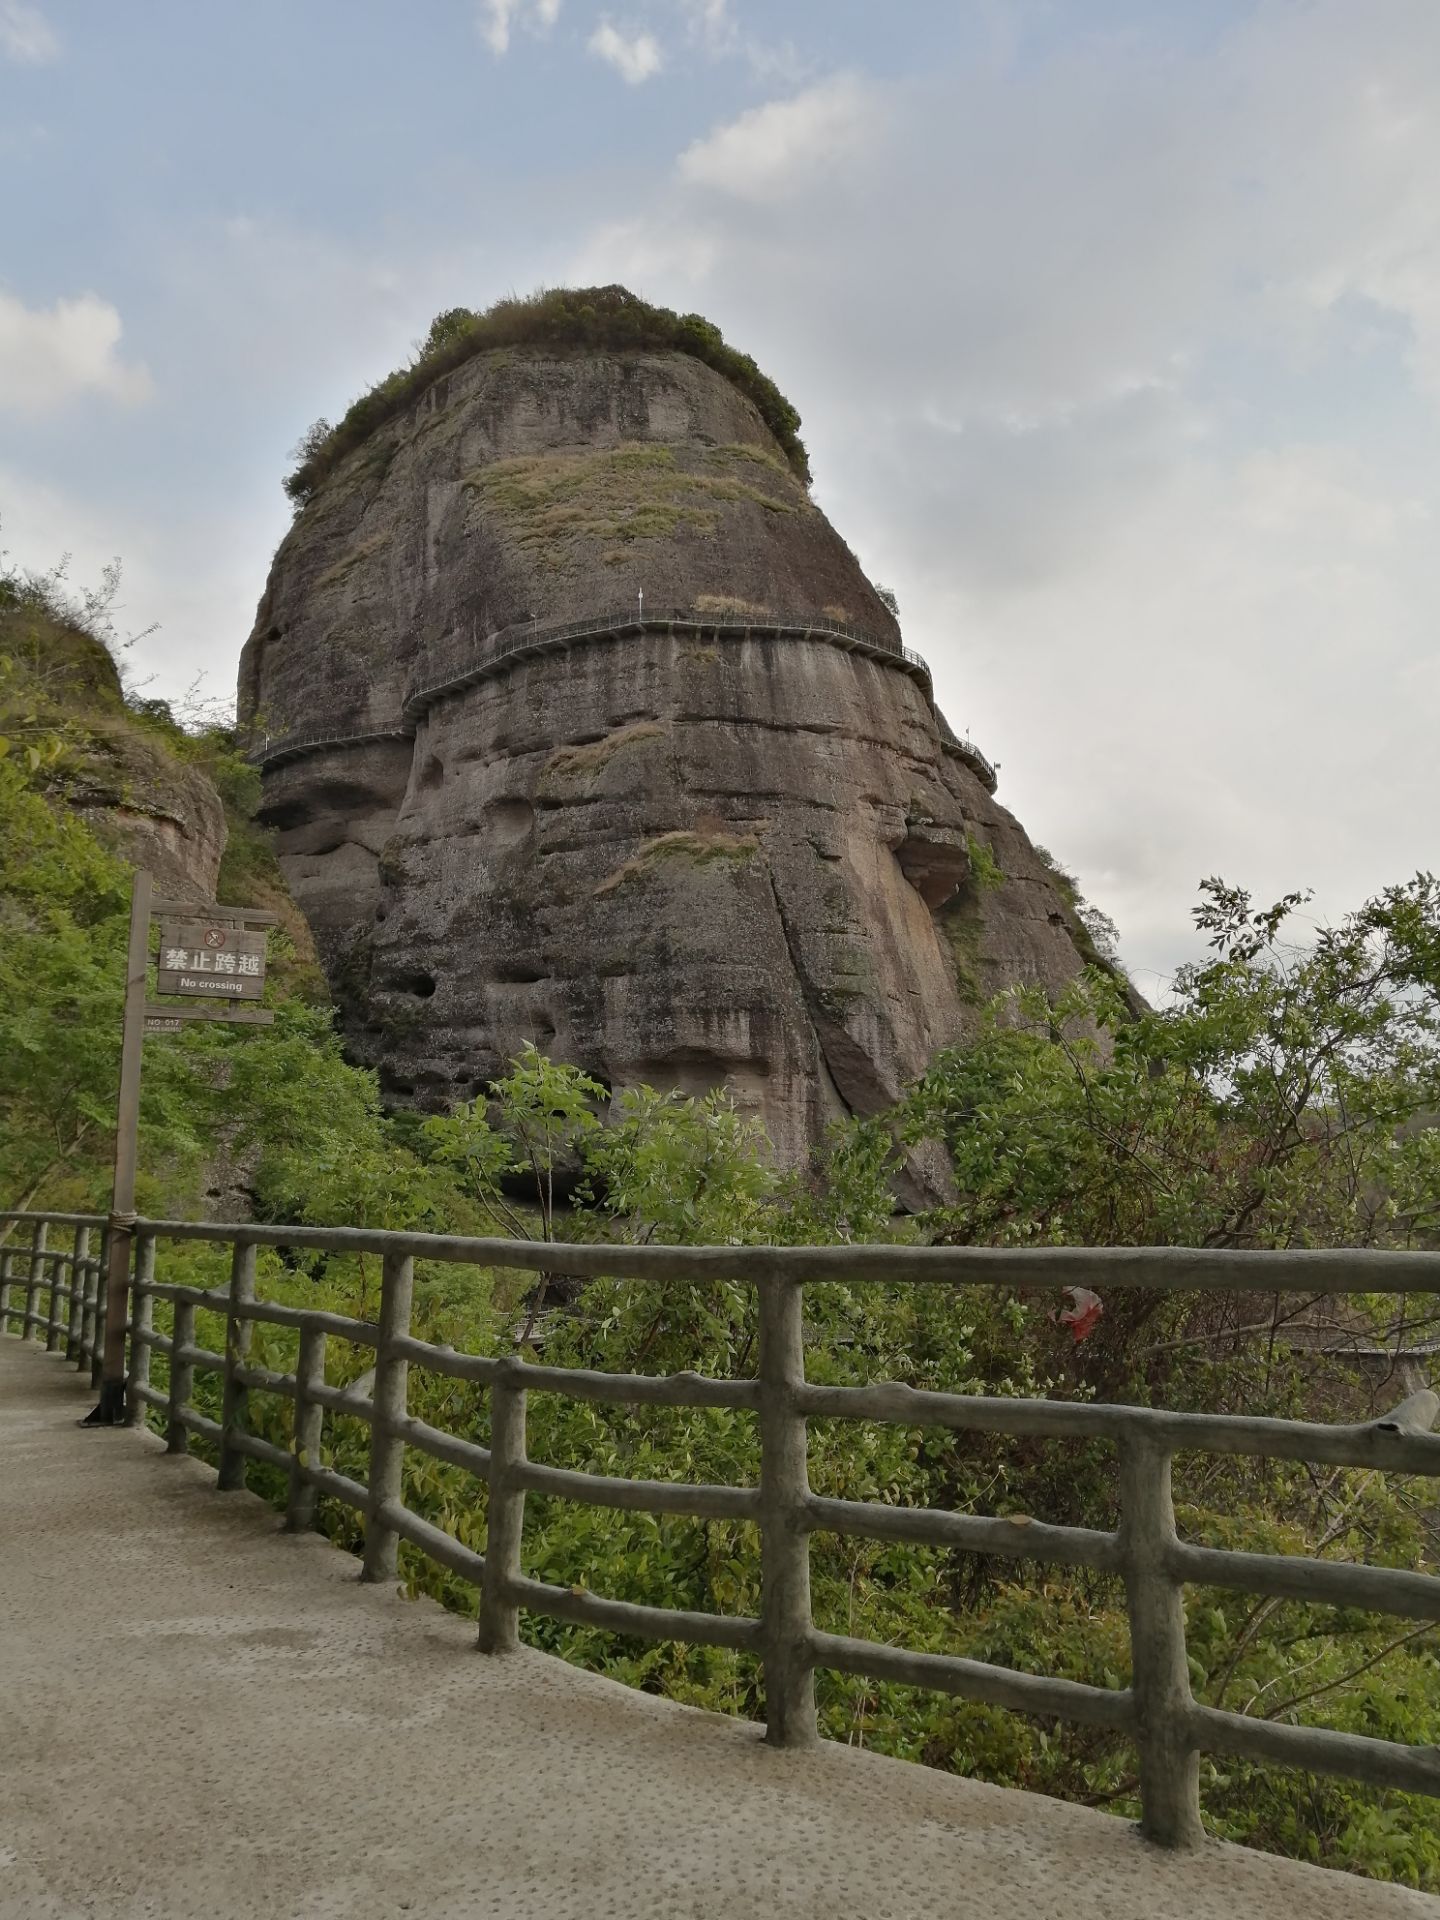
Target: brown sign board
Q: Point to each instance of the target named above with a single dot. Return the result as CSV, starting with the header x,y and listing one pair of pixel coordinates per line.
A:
x,y
212,913
199,957
160,1019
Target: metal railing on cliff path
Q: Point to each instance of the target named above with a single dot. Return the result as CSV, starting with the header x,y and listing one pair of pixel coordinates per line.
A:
x,y
62,1301
464,662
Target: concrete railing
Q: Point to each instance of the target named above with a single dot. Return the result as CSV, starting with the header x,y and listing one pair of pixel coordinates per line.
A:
x,y
465,658
275,752
1157,1711
984,770
71,1282
464,661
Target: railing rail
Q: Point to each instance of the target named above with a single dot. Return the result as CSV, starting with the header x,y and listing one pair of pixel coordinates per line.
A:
x,y
465,658
461,662
1157,1711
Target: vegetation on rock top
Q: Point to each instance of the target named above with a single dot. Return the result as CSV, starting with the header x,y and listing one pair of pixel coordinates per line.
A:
x,y
602,318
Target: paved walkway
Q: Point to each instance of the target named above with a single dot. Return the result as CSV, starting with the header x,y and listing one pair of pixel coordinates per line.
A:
x,y
201,1716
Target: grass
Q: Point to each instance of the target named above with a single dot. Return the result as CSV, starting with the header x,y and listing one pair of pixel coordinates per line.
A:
x,y
611,495
584,762
985,869
362,550
695,849
727,603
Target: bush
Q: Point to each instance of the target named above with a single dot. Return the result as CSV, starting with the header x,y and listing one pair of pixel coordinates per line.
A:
x,y
603,317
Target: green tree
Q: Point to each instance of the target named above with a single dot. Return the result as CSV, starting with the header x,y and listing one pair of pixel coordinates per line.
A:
x,y
1276,1101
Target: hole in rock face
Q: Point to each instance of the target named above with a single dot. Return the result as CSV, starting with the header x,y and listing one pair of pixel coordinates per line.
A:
x,y
422,985
517,973
339,800
509,820
287,814
432,774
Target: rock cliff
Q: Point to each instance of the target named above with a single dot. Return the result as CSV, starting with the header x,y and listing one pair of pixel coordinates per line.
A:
x,y
582,725
120,776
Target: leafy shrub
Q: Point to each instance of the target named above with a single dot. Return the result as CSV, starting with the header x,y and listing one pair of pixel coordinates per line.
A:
x,y
601,317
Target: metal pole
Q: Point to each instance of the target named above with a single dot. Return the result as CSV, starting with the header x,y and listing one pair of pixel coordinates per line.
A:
x,y
111,1410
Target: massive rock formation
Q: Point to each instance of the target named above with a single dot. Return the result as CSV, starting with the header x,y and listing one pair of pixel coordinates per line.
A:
x,y
715,834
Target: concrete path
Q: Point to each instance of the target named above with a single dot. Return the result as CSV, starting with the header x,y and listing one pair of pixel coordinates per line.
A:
x,y
201,1716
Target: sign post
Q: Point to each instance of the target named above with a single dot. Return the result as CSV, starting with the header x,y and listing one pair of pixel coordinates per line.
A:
x,y
212,950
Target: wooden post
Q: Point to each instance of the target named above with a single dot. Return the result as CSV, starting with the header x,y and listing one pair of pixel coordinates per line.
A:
x,y
32,1282
785,1622
182,1377
505,1528
111,1410
235,1401
79,1273
308,1430
142,1320
6,1267
1169,1762
389,1405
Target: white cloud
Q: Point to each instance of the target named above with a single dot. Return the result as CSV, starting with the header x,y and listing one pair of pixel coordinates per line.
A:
x,y
497,18
49,356
26,36
711,25
779,149
635,59
713,28
1122,365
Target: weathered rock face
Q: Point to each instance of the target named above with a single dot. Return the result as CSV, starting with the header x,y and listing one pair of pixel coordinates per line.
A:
x,y
731,848
140,797
156,811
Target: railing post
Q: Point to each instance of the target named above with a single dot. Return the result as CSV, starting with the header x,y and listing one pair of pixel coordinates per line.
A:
x,y
32,1282
235,1399
785,1622
85,1358
182,1377
388,1407
54,1322
505,1523
77,1293
308,1429
1169,1762
142,1319
7,1259
102,1295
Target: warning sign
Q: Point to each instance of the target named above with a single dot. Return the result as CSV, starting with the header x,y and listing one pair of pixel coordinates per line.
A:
x,y
220,962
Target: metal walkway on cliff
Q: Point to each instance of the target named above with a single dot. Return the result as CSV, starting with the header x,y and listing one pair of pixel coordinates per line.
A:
x,y
466,660
207,1715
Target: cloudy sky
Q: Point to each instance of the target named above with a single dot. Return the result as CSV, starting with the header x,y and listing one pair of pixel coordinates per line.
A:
x,y
1115,326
